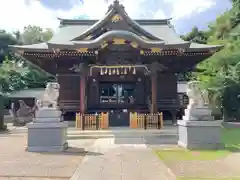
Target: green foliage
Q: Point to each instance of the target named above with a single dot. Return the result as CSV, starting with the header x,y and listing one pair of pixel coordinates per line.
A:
x,y
35,34
15,72
5,40
221,72
196,36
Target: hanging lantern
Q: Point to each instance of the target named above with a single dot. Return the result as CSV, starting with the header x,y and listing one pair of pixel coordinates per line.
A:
x,y
106,71
101,72
114,71
118,71
109,72
134,70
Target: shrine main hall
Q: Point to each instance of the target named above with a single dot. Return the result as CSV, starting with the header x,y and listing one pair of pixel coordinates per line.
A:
x,y
117,65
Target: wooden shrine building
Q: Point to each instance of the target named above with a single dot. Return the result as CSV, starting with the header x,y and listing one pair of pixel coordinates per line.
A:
x,y
116,64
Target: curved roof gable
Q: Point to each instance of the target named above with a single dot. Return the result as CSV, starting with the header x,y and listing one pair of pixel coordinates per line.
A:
x,y
116,9
110,36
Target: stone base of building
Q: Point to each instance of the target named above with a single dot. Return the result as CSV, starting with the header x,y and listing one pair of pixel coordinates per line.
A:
x,y
199,134
47,137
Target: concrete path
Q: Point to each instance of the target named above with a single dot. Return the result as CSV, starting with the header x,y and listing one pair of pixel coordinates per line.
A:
x,y
122,158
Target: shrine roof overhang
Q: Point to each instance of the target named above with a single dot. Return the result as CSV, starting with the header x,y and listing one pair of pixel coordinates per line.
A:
x,y
116,37
40,47
195,47
158,28
108,38
111,37
42,64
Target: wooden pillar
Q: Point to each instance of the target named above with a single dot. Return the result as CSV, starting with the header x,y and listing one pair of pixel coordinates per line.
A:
x,y
174,117
82,93
154,93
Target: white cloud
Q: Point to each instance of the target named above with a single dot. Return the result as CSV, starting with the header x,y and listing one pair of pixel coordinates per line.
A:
x,y
184,8
15,14
159,15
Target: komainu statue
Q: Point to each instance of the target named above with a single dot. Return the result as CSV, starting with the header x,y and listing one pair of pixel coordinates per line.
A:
x,y
24,114
198,107
198,96
50,96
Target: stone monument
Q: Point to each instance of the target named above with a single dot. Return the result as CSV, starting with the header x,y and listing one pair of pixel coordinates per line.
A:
x,y
23,115
47,132
198,129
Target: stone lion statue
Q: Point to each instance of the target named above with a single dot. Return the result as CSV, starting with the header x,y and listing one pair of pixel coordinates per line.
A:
x,y
50,96
22,115
198,96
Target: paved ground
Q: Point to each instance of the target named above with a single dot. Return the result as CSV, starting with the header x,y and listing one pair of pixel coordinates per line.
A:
x,y
124,155
17,164
116,154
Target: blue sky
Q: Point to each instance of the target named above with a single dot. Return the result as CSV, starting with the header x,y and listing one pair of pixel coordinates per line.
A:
x,y
185,13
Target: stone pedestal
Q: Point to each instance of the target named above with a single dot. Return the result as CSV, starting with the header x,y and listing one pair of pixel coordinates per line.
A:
x,y
47,133
47,115
199,134
198,113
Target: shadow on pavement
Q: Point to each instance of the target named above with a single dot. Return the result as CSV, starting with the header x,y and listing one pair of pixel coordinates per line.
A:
x,y
75,137
73,151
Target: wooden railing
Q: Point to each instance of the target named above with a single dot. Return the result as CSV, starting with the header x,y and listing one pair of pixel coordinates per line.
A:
x,y
92,121
146,121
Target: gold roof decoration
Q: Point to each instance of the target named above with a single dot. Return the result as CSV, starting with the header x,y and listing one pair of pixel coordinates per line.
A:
x,y
82,50
118,41
88,37
155,50
116,18
103,45
134,44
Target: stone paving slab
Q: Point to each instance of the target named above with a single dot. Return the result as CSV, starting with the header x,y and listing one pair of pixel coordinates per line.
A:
x,y
17,164
31,178
122,162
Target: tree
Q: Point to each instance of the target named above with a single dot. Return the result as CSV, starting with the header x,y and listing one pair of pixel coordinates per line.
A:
x,y
196,36
5,40
15,72
35,34
220,73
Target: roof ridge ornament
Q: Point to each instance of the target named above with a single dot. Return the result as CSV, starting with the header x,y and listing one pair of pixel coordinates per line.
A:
x,y
116,2
115,5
